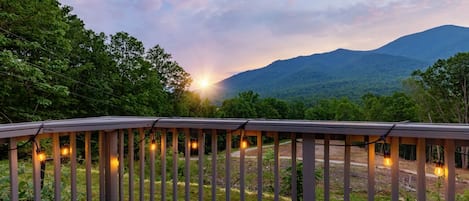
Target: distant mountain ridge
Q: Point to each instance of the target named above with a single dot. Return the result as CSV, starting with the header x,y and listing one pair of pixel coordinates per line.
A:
x,y
347,72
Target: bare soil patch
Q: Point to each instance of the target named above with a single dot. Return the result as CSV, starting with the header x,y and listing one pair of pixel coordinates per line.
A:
x,y
359,173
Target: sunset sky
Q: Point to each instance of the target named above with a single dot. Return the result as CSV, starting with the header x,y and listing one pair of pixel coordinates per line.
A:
x,y
214,39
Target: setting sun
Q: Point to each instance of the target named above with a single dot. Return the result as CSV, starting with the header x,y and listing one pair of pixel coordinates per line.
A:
x,y
204,83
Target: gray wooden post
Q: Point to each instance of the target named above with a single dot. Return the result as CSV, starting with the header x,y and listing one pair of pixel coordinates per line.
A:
x,y
421,179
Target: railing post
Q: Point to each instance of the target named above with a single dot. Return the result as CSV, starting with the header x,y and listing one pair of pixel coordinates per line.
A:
x,y
102,166
112,177
57,171
141,161
13,159
259,166
395,168
89,192
228,167
201,153
73,165
326,167
309,182
187,146
152,154
214,164
131,158
347,158
121,164
294,175
276,167
242,153
450,174
421,179
163,165
371,170
175,135
36,171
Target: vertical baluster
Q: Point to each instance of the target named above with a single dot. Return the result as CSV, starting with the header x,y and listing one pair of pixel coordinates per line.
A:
x,y
141,160
276,167
73,165
163,165
131,158
294,176
214,164
371,170
89,190
228,167
421,179
57,171
175,163
121,164
326,168
242,150
152,169
309,183
347,168
13,160
112,175
450,174
187,149
201,152
102,166
395,168
259,166
36,171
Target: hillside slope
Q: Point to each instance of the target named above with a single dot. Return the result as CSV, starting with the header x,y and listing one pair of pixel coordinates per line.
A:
x,y
350,73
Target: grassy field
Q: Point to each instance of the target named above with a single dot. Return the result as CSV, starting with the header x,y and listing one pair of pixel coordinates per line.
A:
x,y
26,186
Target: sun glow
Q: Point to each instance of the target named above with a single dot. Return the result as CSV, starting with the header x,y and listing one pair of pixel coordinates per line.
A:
x,y
204,83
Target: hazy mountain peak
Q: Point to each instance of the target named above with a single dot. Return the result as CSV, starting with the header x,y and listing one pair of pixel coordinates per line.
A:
x,y
430,45
351,73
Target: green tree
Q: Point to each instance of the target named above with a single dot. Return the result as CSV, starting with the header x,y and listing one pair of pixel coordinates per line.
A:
x,y
334,109
397,107
32,45
442,92
174,79
242,106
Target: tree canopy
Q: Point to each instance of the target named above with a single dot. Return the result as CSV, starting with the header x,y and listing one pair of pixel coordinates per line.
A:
x,y
52,67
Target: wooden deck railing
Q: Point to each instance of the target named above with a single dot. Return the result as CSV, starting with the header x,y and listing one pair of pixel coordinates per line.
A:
x,y
119,137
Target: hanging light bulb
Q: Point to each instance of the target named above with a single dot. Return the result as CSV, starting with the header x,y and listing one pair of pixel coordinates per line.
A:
x,y
153,145
439,169
244,144
65,150
194,144
387,159
41,155
115,162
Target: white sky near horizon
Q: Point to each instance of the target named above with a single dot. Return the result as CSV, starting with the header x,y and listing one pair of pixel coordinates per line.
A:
x,y
214,39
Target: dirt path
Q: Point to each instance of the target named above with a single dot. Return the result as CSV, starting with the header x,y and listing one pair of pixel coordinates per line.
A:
x,y
359,160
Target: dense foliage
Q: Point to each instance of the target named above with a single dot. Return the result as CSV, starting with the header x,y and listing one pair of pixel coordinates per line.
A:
x,y
52,67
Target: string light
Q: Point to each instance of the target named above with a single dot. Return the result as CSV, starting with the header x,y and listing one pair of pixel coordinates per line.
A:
x,y
439,169
244,144
65,150
153,145
194,144
41,155
387,159
115,162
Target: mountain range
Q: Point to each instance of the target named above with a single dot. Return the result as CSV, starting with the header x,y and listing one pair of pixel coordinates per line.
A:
x,y
350,73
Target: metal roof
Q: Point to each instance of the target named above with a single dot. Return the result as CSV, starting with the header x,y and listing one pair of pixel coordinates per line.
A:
x,y
402,129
